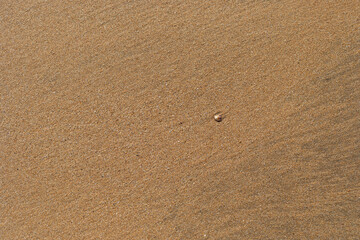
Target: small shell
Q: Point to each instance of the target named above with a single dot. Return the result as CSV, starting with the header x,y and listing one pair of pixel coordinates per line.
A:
x,y
218,117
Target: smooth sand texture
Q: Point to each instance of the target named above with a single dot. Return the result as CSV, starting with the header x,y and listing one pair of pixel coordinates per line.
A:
x,y
107,128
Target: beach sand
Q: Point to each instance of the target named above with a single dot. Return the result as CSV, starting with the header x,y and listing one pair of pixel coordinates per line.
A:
x,y
107,119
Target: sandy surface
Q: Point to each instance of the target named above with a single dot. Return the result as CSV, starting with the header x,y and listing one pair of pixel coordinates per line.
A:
x,y
107,128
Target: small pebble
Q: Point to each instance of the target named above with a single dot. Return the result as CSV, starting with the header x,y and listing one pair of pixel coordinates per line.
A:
x,y
218,117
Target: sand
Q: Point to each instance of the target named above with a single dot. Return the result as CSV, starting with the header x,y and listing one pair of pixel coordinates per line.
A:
x,y
107,119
